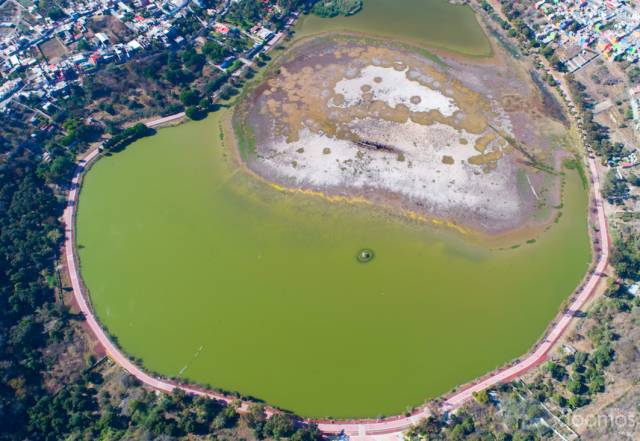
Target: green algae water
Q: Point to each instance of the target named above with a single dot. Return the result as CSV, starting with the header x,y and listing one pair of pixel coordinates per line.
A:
x,y
205,273
432,23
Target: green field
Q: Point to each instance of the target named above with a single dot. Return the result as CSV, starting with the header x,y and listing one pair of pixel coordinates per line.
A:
x,y
204,272
428,23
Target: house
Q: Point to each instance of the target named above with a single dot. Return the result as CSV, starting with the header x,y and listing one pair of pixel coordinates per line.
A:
x,y
133,46
227,62
221,28
102,39
264,34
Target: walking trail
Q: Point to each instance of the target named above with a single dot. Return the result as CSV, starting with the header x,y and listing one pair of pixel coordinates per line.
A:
x,y
389,428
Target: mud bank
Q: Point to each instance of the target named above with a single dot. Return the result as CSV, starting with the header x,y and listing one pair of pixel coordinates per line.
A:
x,y
463,141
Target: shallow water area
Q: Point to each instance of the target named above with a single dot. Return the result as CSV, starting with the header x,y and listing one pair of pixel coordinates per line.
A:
x,y
428,23
379,121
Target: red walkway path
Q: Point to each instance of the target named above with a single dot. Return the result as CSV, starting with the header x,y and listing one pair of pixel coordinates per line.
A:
x,y
361,429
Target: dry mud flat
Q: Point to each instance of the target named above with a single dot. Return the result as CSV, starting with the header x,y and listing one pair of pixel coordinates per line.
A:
x,y
443,139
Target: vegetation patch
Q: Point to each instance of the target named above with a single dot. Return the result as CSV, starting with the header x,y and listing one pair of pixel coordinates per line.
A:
x,y
331,8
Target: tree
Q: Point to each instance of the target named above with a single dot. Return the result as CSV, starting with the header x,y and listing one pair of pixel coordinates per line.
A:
x,y
634,74
78,131
615,190
481,397
625,256
195,113
245,12
61,168
280,425
178,76
580,358
55,13
596,385
557,371
256,416
225,419
547,52
331,8
308,432
425,428
227,92
205,104
560,400
523,436
214,84
575,384
125,137
192,60
83,45
189,97
214,51
576,401
603,355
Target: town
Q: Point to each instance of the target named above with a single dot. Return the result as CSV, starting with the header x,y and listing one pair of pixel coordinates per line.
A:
x,y
608,27
49,51
589,51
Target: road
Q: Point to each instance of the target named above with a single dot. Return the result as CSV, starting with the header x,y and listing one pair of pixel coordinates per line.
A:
x,y
389,428
167,119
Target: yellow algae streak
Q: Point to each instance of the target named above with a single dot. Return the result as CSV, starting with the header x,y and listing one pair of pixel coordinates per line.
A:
x,y
359,200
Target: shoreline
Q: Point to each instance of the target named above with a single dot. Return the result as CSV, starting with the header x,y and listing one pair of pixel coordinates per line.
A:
x,y
501,241
362,427
392,201
434,49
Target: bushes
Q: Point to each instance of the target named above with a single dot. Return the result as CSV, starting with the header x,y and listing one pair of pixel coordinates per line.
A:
x,y
625,256
614,190
279,425
127,136
78,131
215,84
214,51
29,242
189,97
557,371
331,8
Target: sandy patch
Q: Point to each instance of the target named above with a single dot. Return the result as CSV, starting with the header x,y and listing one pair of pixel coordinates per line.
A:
x,y
449,187
393,87
398,128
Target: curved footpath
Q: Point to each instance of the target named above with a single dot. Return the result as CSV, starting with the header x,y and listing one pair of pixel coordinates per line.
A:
x,y
360,429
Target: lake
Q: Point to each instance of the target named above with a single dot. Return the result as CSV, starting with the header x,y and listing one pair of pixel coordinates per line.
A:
x,y
428,23
206,273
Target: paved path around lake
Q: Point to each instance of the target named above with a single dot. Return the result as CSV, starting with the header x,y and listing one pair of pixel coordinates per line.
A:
x,y
69,219
389,428
393,426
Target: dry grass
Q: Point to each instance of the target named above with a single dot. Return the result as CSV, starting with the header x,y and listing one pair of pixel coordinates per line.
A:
x,y
53,50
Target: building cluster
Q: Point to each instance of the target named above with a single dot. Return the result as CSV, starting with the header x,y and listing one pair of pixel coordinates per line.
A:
x,y
40,58
607,27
